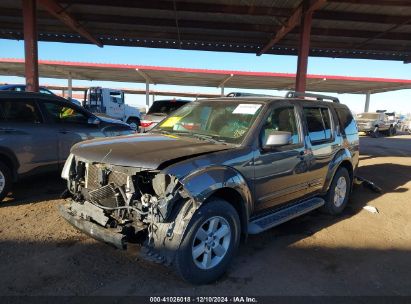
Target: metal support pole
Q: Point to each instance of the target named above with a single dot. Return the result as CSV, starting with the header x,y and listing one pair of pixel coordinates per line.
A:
x,y
147,95
153,98
63,92
70,86
30,45
222,91
304,47
367,101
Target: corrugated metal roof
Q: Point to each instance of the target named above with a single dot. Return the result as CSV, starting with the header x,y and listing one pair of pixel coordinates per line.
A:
x,y
377,30
203,77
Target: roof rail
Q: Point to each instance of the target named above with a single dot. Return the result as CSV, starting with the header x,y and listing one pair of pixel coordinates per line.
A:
x,y
293,94
242,94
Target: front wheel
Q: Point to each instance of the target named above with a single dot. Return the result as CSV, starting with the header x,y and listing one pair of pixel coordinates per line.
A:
x,y
211,240
338,193
5,180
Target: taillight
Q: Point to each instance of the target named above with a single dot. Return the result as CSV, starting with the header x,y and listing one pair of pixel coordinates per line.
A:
x,y
146,123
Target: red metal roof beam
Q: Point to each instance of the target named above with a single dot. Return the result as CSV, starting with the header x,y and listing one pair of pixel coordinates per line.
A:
x,y
291,23
31,69
59,12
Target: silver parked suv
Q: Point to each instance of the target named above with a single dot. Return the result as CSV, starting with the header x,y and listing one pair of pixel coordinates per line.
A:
x,y
37,132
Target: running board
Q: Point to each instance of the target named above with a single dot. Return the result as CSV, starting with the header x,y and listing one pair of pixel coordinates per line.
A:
x,y
281,216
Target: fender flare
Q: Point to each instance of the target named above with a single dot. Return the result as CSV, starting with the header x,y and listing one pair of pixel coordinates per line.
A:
x,y
340,156
203,183
9,155
199,185
132,117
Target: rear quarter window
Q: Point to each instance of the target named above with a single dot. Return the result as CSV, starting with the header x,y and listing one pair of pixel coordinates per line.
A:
x,y
347,121
318,123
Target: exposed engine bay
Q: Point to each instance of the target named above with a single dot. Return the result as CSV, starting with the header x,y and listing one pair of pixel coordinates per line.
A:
x,y
116,204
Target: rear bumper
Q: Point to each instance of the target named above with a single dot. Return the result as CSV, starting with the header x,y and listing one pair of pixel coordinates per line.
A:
x,y
97,232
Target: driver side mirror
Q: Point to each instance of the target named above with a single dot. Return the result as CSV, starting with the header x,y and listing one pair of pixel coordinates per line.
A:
x,y
93,121
277,139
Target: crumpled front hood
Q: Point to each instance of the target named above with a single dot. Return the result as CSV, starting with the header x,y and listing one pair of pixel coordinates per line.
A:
x,y
148,151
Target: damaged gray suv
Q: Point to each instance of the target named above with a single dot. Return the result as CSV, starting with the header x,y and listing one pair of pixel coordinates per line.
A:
x,y
211,172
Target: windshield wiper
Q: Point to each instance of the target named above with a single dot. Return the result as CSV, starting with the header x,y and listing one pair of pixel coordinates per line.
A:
x,y
210,138
206,137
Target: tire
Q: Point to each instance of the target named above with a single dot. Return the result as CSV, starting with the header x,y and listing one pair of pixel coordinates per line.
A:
x,y
375,133
335,202
195,271
5,180
391,131
134,123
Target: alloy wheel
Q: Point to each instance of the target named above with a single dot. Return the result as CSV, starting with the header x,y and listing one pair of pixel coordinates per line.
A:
x,y
211,242
2,182
340,191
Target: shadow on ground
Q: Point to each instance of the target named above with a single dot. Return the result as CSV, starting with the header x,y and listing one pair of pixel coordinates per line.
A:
x,y
35,189
270,268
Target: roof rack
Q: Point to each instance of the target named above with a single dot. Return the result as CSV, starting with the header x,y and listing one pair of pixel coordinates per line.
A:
x,y
293,94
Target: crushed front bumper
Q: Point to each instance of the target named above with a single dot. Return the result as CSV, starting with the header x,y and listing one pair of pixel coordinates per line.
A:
x,y
95,231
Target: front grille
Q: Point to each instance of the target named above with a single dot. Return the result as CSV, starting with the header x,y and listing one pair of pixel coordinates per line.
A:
x,y
94,171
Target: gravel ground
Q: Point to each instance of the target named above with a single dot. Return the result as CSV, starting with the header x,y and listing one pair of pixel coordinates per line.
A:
x,y
357,253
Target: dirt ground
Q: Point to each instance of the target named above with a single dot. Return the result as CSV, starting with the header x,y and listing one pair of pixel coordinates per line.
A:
x,y
357,253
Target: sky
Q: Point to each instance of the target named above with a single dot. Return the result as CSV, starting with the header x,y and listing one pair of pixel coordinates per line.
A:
x,y
398,101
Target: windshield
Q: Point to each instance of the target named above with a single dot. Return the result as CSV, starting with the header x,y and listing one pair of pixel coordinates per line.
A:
x,y
227,121
368,115
165,106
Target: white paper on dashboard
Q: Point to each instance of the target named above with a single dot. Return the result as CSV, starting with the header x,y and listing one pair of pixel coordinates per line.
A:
x,y
246,108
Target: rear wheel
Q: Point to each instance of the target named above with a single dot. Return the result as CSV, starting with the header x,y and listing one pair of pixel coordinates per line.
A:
x,y
5,180
338,193
211,240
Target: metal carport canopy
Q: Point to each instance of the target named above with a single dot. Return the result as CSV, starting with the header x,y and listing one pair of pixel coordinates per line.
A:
x,y
340,28
203,77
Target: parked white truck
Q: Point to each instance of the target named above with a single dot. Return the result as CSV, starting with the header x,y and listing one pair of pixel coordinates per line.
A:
x,y
110,103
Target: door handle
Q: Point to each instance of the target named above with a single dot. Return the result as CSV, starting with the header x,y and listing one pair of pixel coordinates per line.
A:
x,y
64,131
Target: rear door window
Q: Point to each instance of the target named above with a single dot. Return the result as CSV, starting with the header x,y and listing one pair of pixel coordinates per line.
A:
x,y
319,124
20,112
